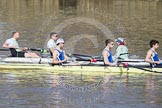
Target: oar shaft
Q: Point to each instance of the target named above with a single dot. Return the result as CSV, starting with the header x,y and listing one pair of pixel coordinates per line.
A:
x,y
131,60
39,50
32,49
4,49
82,55
143,68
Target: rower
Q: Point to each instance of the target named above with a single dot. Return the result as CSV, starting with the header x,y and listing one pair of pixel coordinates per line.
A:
x,y
121,51
152,55
59,55
107,55
51,45
15,50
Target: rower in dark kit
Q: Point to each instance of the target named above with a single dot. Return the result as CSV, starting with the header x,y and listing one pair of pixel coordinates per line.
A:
x,y
152,55
59,55
107,55
15,50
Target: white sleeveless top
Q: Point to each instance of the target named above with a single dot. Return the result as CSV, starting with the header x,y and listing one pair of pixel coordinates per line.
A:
x,y
12,42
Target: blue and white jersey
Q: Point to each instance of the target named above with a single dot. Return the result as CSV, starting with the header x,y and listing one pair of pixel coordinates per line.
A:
x,y
110,57
155,56
61,54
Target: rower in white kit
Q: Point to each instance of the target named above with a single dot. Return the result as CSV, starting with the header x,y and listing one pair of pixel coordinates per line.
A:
x,y
15,50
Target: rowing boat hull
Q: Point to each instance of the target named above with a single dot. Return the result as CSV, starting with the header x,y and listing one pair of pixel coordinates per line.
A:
x,y
135,66
47,67
49,60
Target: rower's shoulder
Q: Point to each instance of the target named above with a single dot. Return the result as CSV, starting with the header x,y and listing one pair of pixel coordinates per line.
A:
x,y
150,51
9,40
50,40
105,51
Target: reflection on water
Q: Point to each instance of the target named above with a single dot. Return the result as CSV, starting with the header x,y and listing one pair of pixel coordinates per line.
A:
x,y
39,89
136,20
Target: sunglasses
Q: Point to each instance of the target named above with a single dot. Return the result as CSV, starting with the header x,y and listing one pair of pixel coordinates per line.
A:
x,y
111,44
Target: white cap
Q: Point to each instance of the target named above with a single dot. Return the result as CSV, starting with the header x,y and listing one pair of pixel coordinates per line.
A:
x,y
120,40
60,40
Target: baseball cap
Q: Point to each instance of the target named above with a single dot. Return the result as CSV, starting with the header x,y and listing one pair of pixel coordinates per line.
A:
x,y
60,40
121,40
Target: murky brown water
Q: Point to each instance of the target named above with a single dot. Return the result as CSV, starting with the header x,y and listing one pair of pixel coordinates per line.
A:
x,y
84,24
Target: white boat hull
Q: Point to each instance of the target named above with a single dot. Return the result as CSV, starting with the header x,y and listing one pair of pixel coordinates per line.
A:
x,y
132,62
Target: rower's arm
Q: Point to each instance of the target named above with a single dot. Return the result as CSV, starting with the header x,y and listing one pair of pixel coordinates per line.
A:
x,y
52,49
6,45
55,59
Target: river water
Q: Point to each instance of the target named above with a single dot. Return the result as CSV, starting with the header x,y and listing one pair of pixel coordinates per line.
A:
x,y
84,24
50,89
